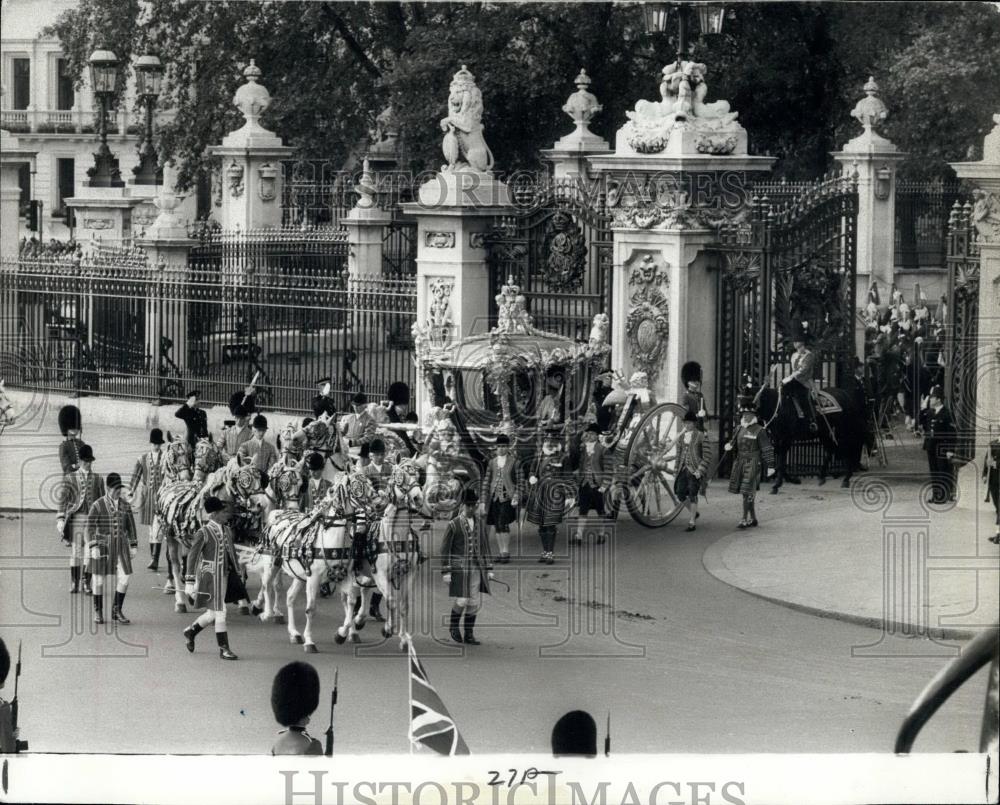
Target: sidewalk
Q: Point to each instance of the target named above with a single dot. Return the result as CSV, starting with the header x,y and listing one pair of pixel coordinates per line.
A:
x,y
872,555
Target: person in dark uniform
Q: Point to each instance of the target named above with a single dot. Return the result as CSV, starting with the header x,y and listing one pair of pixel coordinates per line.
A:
x,y
692,398
71,427
501,494
939,442
111,546
314,486
468,567
294,698
991,475
552,492
245,400
399,407
194,418
83,487
323,403
799,384
754,455
212,572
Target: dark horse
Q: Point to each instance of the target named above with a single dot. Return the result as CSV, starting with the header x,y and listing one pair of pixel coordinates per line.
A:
x,y
842,434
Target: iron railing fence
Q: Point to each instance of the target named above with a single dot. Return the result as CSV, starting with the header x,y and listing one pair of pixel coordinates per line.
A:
x,y
921,230
103,326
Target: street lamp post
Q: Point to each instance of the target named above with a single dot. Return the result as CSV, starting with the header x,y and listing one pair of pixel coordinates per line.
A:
x,y
148,78
104,78
657,17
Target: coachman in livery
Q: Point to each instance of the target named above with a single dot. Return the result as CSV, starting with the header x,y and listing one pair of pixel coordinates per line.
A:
x,y
468,567
753,455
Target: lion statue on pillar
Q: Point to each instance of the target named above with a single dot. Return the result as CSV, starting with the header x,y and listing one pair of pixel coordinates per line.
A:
x,y
463,144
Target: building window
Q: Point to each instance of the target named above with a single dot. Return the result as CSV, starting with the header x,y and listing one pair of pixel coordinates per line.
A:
x,y
21,68
66,185
65,94
24,184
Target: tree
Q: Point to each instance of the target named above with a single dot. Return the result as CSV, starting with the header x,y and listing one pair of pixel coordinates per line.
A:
x,y
792,70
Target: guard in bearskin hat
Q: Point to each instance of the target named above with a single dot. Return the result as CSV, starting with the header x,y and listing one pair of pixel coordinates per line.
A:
x,y
399,407
692,398
501,493
71,427
753,455
799,384
551,493
294,698
468,567
82,488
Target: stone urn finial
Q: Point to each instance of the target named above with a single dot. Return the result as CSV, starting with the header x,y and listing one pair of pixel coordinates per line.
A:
x,y
870,111
582,105
365,188
252,98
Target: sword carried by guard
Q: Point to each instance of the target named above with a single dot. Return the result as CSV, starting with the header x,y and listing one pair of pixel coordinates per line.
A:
x,y
333,703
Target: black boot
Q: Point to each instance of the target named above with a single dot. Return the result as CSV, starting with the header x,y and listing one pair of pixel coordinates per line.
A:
x,y
470,624
86,581
190,633
98,608
222,638
74,574
456,617
116,610
373,608
154,550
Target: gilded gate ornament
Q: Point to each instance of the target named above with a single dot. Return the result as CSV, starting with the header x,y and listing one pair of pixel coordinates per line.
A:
x,y
566,253
648,324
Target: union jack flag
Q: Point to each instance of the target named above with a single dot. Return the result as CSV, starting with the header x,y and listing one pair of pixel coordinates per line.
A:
x,y
430,722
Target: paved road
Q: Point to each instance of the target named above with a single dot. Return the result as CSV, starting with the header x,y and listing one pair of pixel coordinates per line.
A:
x,y
693,665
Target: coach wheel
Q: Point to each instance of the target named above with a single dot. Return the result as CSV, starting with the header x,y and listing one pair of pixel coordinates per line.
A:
x,y
649,463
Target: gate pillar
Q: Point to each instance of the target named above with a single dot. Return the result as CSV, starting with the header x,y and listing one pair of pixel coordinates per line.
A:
x,y
665,311
985,175
875,159
12,156
251,175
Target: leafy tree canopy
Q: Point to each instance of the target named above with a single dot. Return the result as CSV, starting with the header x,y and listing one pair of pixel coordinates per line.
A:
x,y
792,70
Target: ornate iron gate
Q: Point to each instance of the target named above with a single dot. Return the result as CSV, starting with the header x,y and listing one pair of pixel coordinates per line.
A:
x,y
557,247
781,266
961,326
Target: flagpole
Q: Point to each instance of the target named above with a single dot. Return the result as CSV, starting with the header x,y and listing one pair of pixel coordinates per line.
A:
x,y
409,701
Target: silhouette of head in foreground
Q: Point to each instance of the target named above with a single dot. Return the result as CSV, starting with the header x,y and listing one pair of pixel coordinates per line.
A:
x,y
575,734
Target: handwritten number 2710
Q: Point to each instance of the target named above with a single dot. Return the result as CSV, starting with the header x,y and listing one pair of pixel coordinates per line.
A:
x,y
526,776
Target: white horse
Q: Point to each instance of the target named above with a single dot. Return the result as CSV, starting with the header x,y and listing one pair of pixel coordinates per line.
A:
x,y
316,547
404,541
284,484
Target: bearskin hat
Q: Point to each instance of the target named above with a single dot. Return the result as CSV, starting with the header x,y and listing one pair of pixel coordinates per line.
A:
x,y
747,405
575,734
69,418
399,393
800,332
691,372
294,693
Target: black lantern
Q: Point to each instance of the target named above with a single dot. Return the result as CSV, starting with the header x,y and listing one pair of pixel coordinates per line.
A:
x,y
656,17
148,80
711,17
104,78
883,183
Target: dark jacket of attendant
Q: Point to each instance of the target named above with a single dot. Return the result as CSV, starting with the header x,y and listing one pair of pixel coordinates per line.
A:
x,y
69,454
321,404
196,421
466,551
939,432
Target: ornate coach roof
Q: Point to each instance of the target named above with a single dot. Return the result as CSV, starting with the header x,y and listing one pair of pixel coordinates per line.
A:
x,y
514,345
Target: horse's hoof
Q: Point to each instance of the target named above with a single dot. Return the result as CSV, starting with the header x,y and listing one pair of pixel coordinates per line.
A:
x,y
386,632
355,638
360,622
265,618
278,619
295,638
180,608
310,648
339,639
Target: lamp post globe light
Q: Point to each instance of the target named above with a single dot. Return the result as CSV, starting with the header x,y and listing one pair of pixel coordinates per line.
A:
x,y
148,81
104,79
